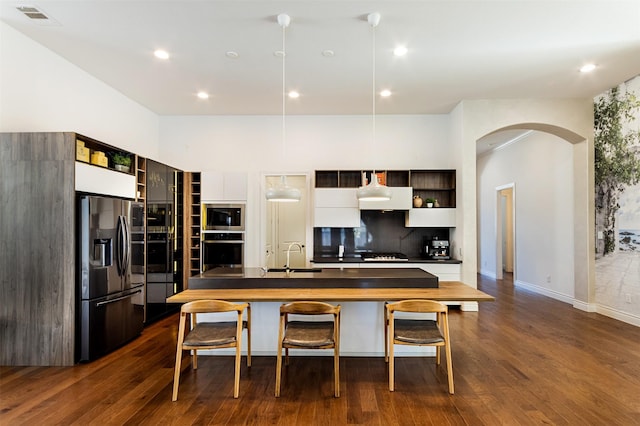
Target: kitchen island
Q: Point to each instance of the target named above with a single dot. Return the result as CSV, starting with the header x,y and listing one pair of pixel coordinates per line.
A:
x,y
259,278
360,291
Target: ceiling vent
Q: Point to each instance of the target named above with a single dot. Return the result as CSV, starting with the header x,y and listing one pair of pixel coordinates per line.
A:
x,y
32,12
36,15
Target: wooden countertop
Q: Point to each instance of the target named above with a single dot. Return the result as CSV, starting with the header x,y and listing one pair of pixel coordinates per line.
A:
x,y
447,291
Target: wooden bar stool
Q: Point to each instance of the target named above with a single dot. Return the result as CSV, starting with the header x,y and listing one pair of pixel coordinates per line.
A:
x,y
212,335
309,335
417,332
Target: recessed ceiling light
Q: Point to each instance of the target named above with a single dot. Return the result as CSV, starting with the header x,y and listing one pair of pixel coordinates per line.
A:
x,y
328,53
203,95
400,51
588,68
293,94
385,93
232,55
161,54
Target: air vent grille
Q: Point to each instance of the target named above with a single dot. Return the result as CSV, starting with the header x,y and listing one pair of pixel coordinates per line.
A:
x,y
32,12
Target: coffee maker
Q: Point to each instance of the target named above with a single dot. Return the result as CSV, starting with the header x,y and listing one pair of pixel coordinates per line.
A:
x,y
438,250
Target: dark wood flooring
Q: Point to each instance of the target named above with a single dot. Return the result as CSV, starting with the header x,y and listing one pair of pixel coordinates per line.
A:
x,y
524,359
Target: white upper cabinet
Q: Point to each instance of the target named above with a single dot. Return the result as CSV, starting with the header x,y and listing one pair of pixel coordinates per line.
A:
x,y
401,199
431,217
98,180
223,186
336,197
336,208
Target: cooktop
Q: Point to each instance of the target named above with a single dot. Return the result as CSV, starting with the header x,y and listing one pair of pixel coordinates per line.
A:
x,y
384,257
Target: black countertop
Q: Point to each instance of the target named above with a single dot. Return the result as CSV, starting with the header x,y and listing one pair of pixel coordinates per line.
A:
x,y
257,278
358,259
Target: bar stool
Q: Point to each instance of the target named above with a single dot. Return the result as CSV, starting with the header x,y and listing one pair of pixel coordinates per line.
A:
x,y
212,335
417,332
309,335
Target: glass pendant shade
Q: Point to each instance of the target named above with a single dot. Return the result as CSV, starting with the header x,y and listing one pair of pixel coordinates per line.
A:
x,y
374,191
283,192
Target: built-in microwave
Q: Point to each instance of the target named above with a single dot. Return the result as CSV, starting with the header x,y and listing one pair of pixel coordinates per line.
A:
x,y
223,217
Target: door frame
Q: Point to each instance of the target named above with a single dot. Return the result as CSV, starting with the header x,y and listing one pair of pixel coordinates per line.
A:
x,y
499,224
307,197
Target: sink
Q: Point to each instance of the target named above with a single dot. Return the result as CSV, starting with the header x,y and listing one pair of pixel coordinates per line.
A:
x,y
295,270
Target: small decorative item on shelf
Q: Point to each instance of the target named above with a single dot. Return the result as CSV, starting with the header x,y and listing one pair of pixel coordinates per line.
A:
x,y
430,202
417,201
99,159
82,152
121,161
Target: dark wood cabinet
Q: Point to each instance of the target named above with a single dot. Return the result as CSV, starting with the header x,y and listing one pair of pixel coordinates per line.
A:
x,y
100,154
438,184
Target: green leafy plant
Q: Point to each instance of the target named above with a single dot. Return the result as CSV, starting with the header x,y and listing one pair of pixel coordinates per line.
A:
x,y
617,161
121,159
430,200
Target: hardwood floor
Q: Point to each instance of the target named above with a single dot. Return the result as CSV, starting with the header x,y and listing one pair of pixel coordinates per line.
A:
x,y
523,359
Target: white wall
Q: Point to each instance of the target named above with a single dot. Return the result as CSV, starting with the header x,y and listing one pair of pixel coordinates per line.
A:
x,y
541,168
42,92
254,144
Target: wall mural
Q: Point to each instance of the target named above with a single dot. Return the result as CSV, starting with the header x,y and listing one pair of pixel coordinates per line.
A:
x,y
617,197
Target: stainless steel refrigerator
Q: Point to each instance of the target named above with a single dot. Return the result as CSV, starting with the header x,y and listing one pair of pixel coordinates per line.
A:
x,y
110,287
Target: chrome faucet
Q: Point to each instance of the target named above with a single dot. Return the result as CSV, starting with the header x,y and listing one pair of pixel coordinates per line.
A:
x,y
295,243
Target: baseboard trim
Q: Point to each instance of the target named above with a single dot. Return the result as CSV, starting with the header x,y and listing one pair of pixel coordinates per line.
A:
x,y
618,315
546,292
583,306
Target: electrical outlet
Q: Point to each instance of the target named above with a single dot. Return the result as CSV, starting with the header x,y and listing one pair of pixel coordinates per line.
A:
x,y
627,298
548,278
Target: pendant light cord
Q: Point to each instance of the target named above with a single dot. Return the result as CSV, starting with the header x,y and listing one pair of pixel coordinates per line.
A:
x,y
373,96
284,55
373,83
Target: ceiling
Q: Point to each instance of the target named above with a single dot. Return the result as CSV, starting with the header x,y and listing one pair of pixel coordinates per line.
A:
x,y
456,50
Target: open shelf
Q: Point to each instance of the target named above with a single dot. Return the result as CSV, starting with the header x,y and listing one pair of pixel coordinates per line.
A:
x,y
100,154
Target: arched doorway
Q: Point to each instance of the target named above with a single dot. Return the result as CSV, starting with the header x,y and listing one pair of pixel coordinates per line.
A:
x,y
569,119
540,166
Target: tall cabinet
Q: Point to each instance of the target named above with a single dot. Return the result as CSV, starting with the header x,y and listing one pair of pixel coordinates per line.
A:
x,y
39,176
192,198
164,188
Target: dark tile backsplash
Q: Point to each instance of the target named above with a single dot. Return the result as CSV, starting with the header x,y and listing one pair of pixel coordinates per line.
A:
x,y
378,232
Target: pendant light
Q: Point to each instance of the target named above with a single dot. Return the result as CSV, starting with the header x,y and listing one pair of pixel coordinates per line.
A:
x,y
283,192
374,191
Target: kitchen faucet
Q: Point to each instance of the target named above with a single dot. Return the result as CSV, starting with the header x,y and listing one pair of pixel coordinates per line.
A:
x,y
295,243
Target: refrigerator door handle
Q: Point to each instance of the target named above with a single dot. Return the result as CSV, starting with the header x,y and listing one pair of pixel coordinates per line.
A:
x,y
120,246
117,299
127,246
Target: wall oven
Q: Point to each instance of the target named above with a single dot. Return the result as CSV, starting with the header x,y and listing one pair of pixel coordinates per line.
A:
x,y
223,217
222,249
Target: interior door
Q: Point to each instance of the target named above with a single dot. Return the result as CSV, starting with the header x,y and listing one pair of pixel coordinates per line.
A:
x,y
287,224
